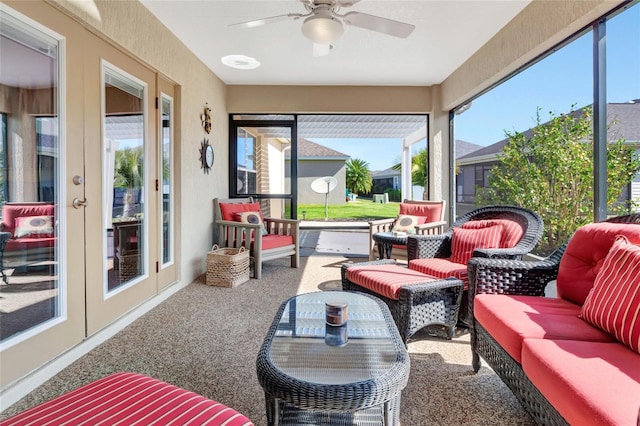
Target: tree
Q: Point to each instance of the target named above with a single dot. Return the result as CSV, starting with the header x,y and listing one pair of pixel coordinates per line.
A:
x,y
419,168
358,176
551,172
128,174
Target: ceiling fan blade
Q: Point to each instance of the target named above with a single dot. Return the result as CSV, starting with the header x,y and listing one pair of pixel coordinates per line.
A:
x,y
379,24
321,49
264,21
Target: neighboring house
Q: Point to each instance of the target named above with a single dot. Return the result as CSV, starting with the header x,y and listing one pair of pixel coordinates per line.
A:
x,y
317,161
474,168
391,178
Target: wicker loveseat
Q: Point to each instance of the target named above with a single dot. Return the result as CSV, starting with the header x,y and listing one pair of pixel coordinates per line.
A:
x,y
568,359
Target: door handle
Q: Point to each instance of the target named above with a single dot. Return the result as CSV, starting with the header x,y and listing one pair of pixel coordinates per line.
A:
x,y
77,203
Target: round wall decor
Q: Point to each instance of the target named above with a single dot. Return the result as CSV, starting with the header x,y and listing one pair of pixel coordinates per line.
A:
x,y
206,155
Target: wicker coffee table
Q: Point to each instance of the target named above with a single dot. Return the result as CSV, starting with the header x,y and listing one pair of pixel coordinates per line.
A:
x,y
313,373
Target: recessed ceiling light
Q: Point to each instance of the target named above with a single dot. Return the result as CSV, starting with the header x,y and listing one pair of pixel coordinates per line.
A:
x,y
240,62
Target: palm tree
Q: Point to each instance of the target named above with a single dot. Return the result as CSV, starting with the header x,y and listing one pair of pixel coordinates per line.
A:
x,y
358,177
128,174
419,164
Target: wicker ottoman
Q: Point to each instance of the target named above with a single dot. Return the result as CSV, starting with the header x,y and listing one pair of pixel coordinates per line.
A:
x,y
416,300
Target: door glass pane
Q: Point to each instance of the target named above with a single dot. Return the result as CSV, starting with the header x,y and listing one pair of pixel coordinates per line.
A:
x,y
30,146
125,211
167,183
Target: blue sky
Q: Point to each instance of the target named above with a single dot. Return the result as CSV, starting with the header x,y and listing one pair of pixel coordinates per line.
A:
x,y
554,84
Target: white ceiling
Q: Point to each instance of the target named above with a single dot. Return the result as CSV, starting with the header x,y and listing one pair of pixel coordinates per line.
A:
x,y
447,33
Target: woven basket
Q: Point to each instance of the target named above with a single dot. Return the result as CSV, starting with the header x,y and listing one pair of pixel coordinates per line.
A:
x,y
227,267
129,265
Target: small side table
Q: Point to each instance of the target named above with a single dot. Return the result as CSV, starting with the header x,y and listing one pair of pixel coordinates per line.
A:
x,y
4,238
386,241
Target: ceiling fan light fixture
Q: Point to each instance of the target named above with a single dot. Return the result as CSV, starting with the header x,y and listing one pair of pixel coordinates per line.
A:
x,y
322,29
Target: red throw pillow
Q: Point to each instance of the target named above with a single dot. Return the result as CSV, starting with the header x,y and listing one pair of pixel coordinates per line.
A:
x,y
465,241
613,304
512,231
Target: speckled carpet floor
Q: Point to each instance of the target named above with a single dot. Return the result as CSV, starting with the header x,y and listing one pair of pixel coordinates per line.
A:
x,y
206,339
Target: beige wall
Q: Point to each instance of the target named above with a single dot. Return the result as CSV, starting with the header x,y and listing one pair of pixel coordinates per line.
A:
x,y
131,26
328,99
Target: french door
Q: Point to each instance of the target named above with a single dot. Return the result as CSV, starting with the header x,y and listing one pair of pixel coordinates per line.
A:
x,y
88,130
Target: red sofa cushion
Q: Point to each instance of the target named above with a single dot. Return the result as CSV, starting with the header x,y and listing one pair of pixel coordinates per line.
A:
x,y
511,319
385,280
465,241
130,398
585,255
274,241
614,301
589,383
10,212
441,268
27,244
229,210
512,231
432,212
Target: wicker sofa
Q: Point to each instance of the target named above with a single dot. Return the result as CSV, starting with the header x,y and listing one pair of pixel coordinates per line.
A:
x,y
565,363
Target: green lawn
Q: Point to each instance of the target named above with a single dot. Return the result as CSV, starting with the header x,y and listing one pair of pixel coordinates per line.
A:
x,y
357,210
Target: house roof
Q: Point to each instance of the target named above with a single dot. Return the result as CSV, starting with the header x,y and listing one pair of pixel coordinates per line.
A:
x,y
308,150
624,116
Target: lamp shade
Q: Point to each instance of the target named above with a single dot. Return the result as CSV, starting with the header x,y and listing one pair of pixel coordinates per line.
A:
x,y
322,29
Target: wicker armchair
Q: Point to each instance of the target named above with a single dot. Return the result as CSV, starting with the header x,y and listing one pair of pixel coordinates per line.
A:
x,y
416,208
516,277
439,246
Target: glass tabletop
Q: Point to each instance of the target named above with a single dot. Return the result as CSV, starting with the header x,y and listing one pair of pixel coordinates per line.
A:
x,y
306,348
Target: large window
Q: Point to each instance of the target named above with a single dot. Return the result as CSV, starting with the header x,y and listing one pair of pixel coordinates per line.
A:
x,y
535,133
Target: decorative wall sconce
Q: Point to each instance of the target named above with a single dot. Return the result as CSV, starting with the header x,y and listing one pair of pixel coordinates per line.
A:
x,y
206,118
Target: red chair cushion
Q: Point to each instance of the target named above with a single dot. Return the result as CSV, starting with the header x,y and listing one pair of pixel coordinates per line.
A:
x,y
441,268
465,241
229,210
29,244
512,232
585,255
432,212
129,398
614,301
589,383
10,212
385,280
274,241
511,319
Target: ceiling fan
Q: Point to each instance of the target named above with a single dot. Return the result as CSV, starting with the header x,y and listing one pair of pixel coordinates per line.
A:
x,y
323,23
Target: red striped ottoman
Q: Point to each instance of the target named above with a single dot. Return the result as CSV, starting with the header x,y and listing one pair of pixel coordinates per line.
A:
x,y
128,399
416,300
